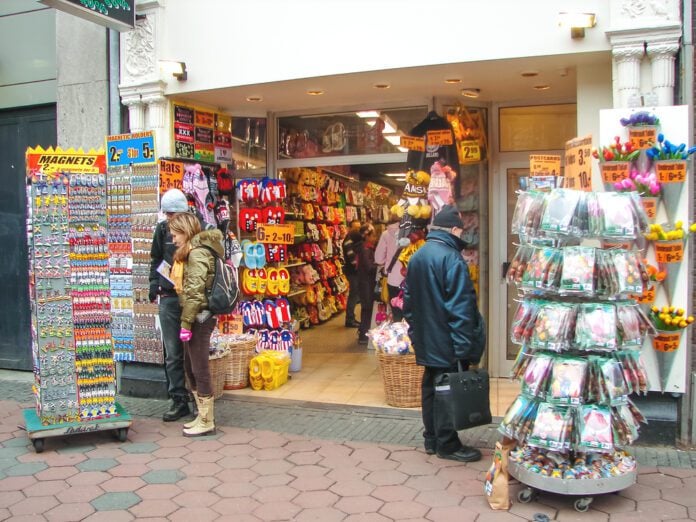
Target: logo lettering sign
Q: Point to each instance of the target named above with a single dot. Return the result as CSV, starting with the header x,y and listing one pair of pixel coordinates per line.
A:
x,y
578,164
183,114
642,137
115,14
613,171
204,151
469,152
170,175
275,234
414,191
439,137
413,143
126,149
669,251
204,135
544,165
205,119
58,160
183,132
670,171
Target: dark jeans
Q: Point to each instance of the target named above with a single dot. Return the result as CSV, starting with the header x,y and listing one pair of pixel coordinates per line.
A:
x,y
196,353
397,313
439,432
353,297
170,323
366,289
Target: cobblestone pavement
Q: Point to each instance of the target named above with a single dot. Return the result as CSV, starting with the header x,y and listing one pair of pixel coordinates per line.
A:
x,y
287,461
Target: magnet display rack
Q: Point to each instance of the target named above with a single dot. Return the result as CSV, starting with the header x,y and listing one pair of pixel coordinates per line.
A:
x,y
75,386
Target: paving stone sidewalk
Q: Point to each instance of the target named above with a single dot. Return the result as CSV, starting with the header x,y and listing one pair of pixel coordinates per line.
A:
x,y
291,461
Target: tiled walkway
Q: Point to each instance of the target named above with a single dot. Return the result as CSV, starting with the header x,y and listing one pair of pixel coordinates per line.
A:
x,y
285,462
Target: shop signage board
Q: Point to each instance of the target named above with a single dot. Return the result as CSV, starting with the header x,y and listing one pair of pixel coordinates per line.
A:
x,y
77,161
171,174
114,14
222,138
578,164
201,135
130,149
544,165
275,234
470,152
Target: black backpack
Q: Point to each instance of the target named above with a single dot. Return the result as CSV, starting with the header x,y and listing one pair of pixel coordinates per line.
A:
x,y
223,293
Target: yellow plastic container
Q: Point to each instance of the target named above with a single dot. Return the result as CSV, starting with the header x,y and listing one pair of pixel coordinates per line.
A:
x,y
269,370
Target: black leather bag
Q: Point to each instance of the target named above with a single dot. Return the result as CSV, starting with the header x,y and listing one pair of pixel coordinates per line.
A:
x,y
465,396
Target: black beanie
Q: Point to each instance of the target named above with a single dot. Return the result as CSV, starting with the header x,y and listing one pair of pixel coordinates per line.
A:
x,y
448,217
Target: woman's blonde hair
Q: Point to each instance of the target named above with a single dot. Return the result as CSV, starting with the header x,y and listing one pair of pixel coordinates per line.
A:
x,y
187,224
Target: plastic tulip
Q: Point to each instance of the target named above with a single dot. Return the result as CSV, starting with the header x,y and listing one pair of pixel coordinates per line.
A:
x,y
645,184
669,318
617,151
668,232
664,150
640,118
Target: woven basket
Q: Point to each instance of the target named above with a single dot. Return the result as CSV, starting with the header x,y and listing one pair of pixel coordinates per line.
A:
x,y
402,379
218,367
237,374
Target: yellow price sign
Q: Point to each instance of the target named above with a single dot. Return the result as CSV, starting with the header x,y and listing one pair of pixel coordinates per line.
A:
x,y
613,171
412,143
669,251
469,152
666,341
544,165
642,137
578,164
440,137
275,234
670,171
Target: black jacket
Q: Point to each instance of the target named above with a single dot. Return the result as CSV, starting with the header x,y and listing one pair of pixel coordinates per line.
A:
x,y
162,249
351,248
440,304
423,160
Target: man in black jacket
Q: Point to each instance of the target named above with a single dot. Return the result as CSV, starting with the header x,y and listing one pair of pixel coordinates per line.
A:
x,y
440,308
351,246
162,250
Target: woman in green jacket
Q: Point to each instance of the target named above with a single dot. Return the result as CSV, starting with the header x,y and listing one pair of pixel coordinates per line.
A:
x,y
192,273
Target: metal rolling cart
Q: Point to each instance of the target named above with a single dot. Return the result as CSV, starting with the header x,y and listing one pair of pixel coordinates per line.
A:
x,y
585,489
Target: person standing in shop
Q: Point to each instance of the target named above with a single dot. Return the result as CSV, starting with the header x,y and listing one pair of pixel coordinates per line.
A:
x,y
351,245
386,258
162,251
367,271
445,326
193,273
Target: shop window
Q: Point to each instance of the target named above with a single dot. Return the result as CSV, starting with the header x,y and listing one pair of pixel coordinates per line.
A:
x,y
346,133
537,127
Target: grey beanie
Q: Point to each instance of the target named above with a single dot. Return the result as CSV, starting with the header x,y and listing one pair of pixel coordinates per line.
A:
x,y
174,201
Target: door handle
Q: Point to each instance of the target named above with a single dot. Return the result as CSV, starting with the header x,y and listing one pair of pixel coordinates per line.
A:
x,y
505,268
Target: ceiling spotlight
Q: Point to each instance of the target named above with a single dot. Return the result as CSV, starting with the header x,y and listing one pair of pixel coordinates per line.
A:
x,y
471,92
542,87
315,92
254,98
529,74
453,80
381,86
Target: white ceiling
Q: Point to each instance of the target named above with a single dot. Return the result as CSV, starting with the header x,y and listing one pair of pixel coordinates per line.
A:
x,y
500,81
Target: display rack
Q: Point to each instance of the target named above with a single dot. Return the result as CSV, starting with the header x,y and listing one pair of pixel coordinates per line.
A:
x,y
580,337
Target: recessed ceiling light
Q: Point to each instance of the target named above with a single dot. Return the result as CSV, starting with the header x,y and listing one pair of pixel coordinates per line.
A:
x,y
542,87
471,92
315,92
381,86
529,74
453,80
254,98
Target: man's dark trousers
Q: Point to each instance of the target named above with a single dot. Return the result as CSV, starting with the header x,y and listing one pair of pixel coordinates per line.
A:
x,y
170,322
439,432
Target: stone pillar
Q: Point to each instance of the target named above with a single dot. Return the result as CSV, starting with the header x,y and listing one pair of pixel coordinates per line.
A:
x,y
627,58
662,64
158,116
136,111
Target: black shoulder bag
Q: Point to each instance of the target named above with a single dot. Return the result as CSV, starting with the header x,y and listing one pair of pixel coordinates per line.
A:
x,y
465,396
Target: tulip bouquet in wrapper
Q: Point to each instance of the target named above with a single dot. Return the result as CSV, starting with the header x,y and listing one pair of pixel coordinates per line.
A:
x,y
640,118
668,232
669,318
617,151
665,150
654,274
645,184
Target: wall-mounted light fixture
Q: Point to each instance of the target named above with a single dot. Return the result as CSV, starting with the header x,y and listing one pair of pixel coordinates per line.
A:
x,y
176,69
577,22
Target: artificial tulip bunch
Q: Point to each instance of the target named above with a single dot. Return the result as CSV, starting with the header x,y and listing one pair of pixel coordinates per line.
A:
x,y
666,232
640,118
617,151
664,150
654,275
645,184
669,318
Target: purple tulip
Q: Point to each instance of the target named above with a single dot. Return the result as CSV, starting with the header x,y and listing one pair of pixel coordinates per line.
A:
x,y
654,189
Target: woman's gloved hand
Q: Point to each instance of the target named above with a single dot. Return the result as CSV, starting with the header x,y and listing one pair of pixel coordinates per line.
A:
x,y
185,335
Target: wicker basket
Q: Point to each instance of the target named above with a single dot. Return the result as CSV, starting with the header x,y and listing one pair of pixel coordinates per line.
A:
x,y
237,374
218,367
402,379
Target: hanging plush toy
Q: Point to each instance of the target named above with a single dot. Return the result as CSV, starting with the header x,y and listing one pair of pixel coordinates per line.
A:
x,y
413,207
440,187
225,184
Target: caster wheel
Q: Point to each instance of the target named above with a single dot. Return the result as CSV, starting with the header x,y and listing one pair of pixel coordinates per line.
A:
x,y
525,496
38,445
122,434
582,504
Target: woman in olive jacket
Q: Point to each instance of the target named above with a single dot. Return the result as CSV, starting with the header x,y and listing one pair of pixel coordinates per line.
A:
x,y
193,273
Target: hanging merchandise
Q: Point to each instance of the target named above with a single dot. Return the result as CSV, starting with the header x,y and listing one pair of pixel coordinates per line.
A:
x,y
580,337
71,320
439,144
